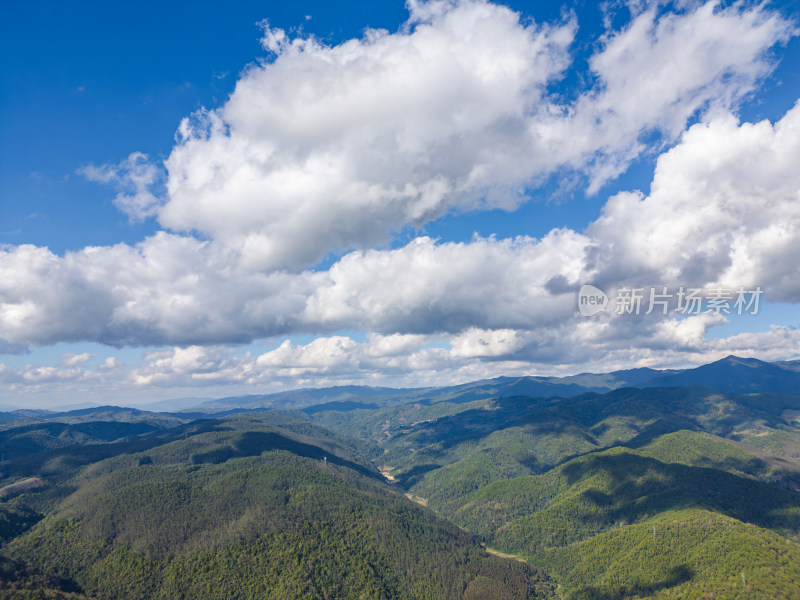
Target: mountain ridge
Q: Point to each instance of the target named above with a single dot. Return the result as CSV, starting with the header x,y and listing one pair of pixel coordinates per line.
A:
x,y
725,375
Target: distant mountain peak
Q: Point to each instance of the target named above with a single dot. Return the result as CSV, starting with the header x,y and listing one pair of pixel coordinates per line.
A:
x,y
735,374
740,360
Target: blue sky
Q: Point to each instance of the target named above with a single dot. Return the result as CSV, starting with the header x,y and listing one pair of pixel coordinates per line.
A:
x,y
199,199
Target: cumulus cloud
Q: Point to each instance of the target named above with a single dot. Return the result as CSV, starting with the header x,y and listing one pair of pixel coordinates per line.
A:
x,y
413,361
71,360
138,181
110,363
328,148
167,289
663,69
331,149
475,354
474,343
33,377
325,360
428,287
723,209
319,356
324,149
190,365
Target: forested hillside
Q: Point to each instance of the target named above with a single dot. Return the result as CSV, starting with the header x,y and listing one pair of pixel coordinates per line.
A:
x,y
239,508
557,480
675,492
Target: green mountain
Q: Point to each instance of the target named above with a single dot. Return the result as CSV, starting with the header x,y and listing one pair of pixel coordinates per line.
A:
x,y
737,375
620,486
691,554
446,450
95,414
241,508
22,582
557,479
354,397
682,491
25,440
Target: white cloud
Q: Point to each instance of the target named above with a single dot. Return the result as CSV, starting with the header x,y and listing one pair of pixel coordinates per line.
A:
x,y
331,148
705,221
137,180
386,346
32,377
167,289
190,366
428,287
340,360
111,362
663,68
39,375
70,360
475,343
724,208
319,356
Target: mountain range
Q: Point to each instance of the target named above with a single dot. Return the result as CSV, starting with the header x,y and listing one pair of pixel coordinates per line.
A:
x,y
730,374
633,484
